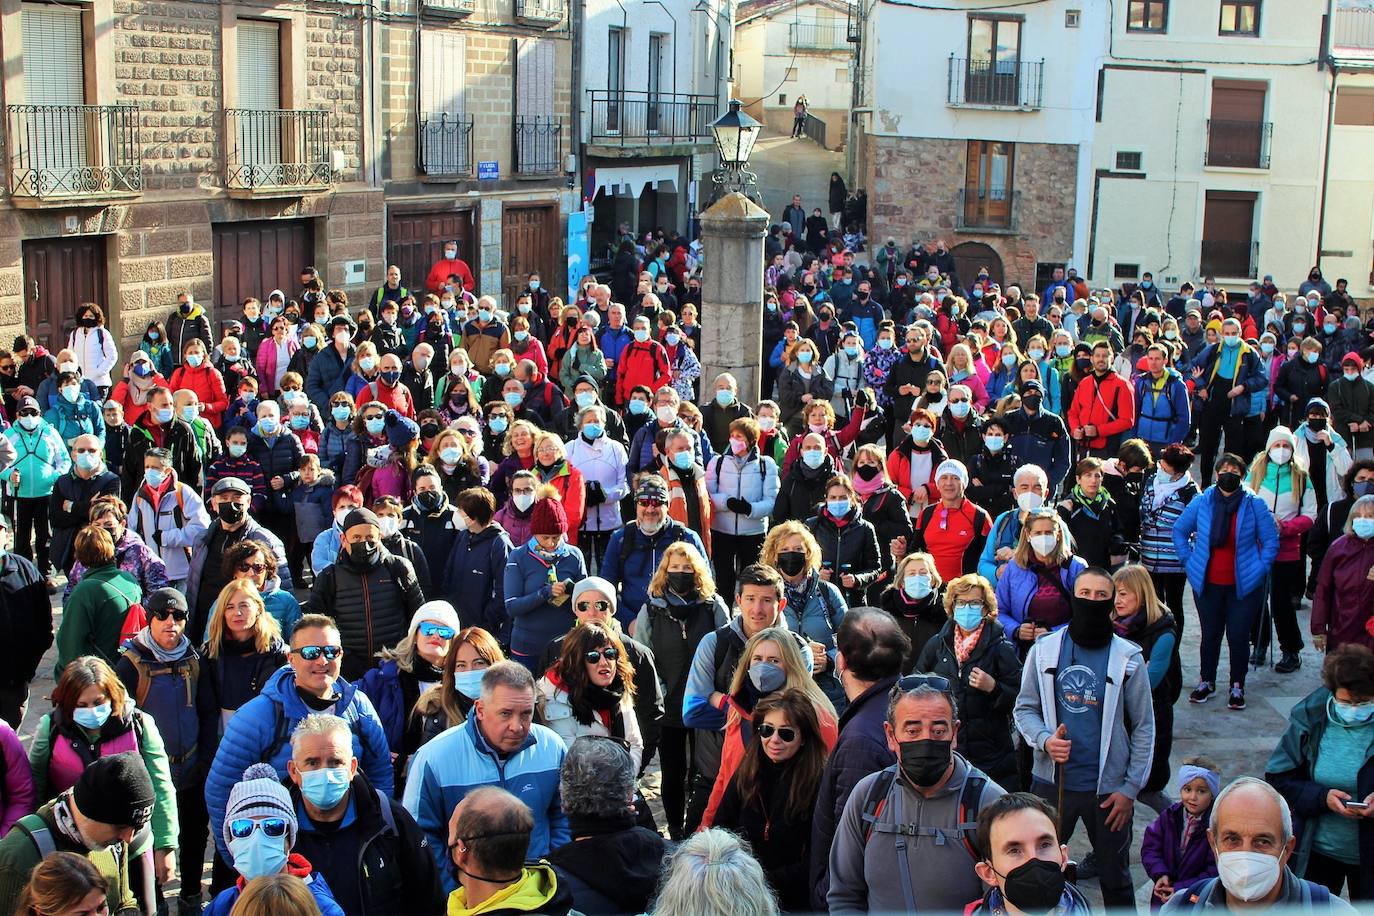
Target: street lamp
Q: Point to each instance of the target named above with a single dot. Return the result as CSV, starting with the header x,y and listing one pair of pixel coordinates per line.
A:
x,y
735,133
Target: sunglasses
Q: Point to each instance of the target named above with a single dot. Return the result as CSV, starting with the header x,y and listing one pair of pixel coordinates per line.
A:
x,y
164,613
468,433
786,735
436,629
650,503
311,653
242,827
933,681
600,606
610,653
253,567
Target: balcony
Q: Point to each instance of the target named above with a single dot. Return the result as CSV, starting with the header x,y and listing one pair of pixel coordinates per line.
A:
x,y
1238,144
444,152
991,212
1002,84
544,13
538,146
817,36
276,152
854,23
626,120
449,9
1352,31
60,155
1227,259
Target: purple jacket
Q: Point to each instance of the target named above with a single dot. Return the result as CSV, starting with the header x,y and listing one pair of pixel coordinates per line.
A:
x,y
132,556
1160,855
19,798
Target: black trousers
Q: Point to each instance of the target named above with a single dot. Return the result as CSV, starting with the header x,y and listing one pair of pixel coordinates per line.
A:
x,y
1170,587
1111,848
1213,423
1334,875
730,554
31,531
593,547
675,759
193,834
1285,590
14,702
1225,615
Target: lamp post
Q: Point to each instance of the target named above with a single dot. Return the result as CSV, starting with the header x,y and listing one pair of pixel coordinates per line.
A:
x,y
735,134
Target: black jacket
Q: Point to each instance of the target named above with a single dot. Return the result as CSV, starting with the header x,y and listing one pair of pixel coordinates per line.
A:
x,y
1097,536
885,510
279,458
402,545
25,620
180,439
994,473
781,841
615,872
434,533
371,605
420,384
984,718
67,522
962,444
676,628
801,492
850,548
371,868
920,620
906,371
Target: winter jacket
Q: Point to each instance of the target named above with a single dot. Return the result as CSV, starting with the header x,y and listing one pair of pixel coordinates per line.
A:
x,y
260,732
1304,381
199,556
1128,717
556,711
173,698
792,385
72,420
1162,414
1017,586
816,615
311,506
632,557
779,838
994,473
372,605
984,717
1296,895
446,769
1257,540
19,856
1249,374
1162,856
609,870
899,462
278,456
602,466
906,371
80,492
641,457
1352,402
1106,403
801,492
208,384
848,545
26,620
750,477
97,352
1337,460
266,362
1098,534
225,901
1344,598
329,371
1041,439
18,797
176,436
572,493
170,526
1157,525
535,619
1295,516
42,458
641,364
475,579
672,627
93,615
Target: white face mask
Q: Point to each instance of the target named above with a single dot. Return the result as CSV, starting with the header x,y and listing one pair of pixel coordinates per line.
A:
x,y
1280,455
389,525
1028,501
1248,875
523,501
1043,544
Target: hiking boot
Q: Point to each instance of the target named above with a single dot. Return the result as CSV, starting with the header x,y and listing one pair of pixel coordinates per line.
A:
x,y
1237,698
1202,692
1288,663
1257,658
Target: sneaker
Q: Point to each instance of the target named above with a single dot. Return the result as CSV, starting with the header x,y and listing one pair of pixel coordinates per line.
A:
x,y
1087,869
1288,663
1237,699
1202,692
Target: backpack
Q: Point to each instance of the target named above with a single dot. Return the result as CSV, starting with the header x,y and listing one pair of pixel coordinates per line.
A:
x,y
282,728
188,665
38,832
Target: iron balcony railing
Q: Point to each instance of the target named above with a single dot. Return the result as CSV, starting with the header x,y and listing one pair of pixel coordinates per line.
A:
x,y
624,118
1238,144
277,148
445,147
540,12
1229,259
818,36
1000,84
1353,29
814,128
997,210
538,145
450,8
72,151
854,23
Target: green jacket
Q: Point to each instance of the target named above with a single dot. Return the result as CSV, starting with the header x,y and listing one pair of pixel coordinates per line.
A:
x,y
19,857
94,615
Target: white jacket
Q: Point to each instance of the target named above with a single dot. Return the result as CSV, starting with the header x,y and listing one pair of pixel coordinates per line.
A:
x,y
169,539
604,463
558,715
753,478
96,353
1338,460
849,377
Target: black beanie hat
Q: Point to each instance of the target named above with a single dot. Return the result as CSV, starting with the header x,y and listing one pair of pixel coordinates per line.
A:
x,y
115,790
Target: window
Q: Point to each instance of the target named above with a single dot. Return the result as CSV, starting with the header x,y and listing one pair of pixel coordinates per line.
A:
x,y
444,137
615,76
1355,107
791,75
782,98
1072,18
1228,226
54,79
988,179
259,72
1239,17
1125,271
842,75
1128,161
994,61
1237,134
1147,16
655,115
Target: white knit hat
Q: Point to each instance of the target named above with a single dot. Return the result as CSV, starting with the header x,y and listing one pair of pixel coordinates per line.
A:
x,y
438,611
260,794
952,466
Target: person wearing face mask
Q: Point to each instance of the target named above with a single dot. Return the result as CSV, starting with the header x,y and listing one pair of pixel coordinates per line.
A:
x,y
236,461
1251,834
913,599
168,515
1285,488
1088,717
802,485
43,460
539,579
398,542
1022,860
94,346
912,464
1163,497
133,390
332,367
1226,540
1341,598
992,467
1351,396
1035,587
449,264
1039,437
932,791
600,461
229,501
448,703
73,494
1299,381
278,452
1162,407
475,564
432,520
1225,375
72,413
1093,517
953,529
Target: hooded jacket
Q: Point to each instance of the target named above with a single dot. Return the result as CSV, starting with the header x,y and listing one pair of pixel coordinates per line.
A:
x,y
72,420
200,556
614,872
1163,413
42,458
672,628
632,558
278,456
475,578
296,864
372,604
1257,540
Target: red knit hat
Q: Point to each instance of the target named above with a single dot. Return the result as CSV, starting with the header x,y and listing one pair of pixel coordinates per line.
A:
x,y
548,517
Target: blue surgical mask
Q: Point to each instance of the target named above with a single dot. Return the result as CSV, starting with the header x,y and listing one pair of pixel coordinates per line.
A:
x,y
1329,327
450,454
258,854
268,426
1350,714
71,393
154,477
92,717
725,398
1311,356
916,586
804,357
641,335
340,412
673,339
1062,350
469,683
593,431
194,360
884,343
1266,347
960,409
585,399
813,458
375,425
367,363
682,460
921,434
237,449
498,424
522,335
190,412
164,415
326,787
994,443
501,369
310,343
638,407
87,461
514,399
484,315
1008,359
968,616
300,421
1363,527
534,284
851,352
839,508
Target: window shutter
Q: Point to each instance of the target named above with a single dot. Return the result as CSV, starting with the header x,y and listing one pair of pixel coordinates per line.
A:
x,y
443,63
259,53
534,69
53,58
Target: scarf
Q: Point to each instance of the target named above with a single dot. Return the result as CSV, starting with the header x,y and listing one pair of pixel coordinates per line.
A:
x,y
602,703
144,638
1094,506
867,488
1161,492
1227,507
965,641
140,388
797,595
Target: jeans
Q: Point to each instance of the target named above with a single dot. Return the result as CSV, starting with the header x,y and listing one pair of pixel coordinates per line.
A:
x,y
730,554
1112,848
31,532
1224,613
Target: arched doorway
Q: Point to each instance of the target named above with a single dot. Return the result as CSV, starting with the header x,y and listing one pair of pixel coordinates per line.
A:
x,y
971,257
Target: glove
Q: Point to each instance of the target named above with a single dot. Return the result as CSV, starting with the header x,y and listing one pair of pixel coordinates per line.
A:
x,y
595,495
740,506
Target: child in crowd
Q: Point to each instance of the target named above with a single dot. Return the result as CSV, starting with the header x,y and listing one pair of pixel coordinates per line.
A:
x,y
243,410
116,434
1175,852
155,344
312,504
208,446
236,462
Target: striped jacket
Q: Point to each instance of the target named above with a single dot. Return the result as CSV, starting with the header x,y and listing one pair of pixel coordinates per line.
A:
x,y
1157,551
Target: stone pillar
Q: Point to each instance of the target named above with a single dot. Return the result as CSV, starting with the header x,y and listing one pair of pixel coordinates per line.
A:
x,y
732,233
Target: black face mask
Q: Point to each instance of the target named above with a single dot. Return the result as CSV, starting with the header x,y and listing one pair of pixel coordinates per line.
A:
x,y
1228,481
1032,401
1091,623
429,430
791,562
684,583
1316,424
232,513
935,397
863,296
1035,886
363,553
867,471
925,761
429,500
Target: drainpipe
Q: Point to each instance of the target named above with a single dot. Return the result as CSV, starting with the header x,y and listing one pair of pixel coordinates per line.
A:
x,y
1326,161
576,11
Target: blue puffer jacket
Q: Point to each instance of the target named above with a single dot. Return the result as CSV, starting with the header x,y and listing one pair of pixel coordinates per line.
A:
x,y
79,419
382,685
446,769
866,316
1017,587
535,621
1006,531
263,726
334,447
278,457
224,902
476,579
1250,374
1162,417
1257,540
632,558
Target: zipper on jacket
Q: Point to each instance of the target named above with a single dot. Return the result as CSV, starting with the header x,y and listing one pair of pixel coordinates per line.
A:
x,y
367,614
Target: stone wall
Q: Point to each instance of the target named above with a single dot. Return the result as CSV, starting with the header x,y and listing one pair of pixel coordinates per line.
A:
x,y
913,192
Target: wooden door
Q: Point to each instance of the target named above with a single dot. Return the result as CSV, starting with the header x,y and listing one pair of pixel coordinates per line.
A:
x,y
254,258
414,241
1227,234
529,244
59,275
970,258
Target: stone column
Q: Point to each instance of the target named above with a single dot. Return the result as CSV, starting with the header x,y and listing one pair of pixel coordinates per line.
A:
x,y
732,233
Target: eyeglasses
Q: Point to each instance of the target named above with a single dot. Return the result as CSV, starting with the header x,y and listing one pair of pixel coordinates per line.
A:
x,y
786,735
436,629
600,607
610,653
253,567
241,828
467,433
311,653
164,613
650,503
933,681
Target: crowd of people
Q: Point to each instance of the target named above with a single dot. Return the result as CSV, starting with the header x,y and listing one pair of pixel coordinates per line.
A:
x,y
388,609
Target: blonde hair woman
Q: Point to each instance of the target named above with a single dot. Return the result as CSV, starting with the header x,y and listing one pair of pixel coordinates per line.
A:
x,y
1279,478
803,376
452,456
963,371
770,662
815,606
243,648
1141,617
1044,557
984,672
913,598
281,894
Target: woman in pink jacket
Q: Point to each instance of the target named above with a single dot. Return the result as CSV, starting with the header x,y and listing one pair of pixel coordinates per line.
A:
x,y
19,798
274,354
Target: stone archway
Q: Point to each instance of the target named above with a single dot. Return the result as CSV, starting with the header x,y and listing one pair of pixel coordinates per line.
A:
x,y
971,257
